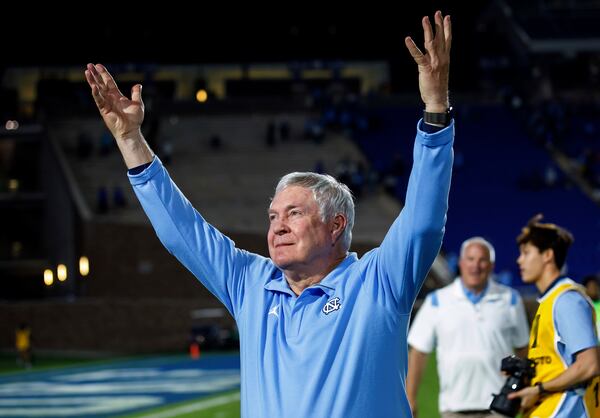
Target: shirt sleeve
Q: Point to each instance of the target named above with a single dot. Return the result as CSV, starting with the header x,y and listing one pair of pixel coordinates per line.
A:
x,y
574,323
422,334
521,334
138,169
414,239
201,248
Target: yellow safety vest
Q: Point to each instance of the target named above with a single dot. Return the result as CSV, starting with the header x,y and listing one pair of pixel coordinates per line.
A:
x,y
543,351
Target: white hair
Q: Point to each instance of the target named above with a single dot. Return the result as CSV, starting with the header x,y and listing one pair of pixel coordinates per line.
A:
x,y
332,197
481,241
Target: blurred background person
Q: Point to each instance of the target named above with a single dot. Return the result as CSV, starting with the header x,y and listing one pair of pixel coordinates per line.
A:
x,y
23,345
472,324
592,289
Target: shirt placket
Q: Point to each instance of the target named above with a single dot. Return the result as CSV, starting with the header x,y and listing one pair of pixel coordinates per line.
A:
x,y
300,308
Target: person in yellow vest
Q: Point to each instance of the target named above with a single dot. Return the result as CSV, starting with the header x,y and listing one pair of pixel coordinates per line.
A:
x,y
563,341
23,345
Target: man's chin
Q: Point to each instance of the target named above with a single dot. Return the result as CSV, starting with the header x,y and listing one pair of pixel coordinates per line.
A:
x,y
527,279
281,263
474,282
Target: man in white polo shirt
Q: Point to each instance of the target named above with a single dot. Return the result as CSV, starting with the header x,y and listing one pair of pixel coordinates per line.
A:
x,y
472,324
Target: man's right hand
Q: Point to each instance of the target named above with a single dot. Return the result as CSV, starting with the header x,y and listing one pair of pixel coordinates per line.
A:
x,y
122,116
417,360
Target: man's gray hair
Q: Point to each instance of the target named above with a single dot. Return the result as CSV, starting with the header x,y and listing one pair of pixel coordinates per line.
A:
x,y
481,241
331,196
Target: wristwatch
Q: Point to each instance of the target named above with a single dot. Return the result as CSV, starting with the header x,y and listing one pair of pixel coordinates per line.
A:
x,y
439,119
541,389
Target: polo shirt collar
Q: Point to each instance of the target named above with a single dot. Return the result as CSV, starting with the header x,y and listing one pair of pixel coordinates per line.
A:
x,y
552,286
462,291
328,284
279,284
475,298
332,280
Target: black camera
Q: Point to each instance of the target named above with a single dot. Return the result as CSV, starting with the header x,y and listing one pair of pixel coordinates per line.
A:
x,y
520,372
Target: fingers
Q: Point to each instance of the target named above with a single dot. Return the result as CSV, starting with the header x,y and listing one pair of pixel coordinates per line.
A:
x,y
414,50
106,77
95,77
90,78
443,32
88,75
136,93
448,32
427,30
103,85
439,43
442,37
95,90
439,28
514,395
98,97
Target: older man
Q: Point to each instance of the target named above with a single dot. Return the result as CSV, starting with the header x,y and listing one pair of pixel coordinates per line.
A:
x,y
323,334
472,323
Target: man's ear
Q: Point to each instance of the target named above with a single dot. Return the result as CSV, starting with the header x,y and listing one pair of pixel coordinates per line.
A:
x,y
548,256
337,226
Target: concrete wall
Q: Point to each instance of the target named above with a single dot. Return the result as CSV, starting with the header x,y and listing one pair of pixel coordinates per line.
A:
x,y
113,325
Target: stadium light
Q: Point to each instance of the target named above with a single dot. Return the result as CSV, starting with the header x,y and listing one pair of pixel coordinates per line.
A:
x,y
84,266
201,95
48,277
61,272
13,185
11,125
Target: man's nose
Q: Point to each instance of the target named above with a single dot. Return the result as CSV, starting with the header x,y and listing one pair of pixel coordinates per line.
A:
x,y
280,227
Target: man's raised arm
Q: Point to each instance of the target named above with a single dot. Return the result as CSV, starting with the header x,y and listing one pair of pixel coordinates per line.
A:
x,y
201,248
414,239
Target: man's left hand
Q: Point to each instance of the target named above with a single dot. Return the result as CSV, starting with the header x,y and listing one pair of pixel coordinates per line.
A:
x,y
529,396
434,64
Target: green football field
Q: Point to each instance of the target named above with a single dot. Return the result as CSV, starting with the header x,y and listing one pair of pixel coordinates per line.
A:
x,y
228,405
222,405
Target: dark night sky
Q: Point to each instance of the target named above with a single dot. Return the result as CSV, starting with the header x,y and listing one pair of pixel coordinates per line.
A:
x,y
184,35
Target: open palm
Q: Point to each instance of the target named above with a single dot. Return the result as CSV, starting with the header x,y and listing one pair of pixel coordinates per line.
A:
x,y
435,62
123,116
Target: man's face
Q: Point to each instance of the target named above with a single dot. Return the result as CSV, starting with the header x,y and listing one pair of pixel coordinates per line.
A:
x,y
475,266
531,263
297,236
592,289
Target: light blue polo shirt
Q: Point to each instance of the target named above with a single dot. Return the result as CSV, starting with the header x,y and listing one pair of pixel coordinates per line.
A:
x,y
339,349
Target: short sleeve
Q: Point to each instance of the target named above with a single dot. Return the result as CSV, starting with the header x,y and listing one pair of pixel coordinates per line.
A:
x,y
574,322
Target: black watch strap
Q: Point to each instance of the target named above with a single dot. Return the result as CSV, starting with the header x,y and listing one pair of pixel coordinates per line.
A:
x,y
541,389
442,119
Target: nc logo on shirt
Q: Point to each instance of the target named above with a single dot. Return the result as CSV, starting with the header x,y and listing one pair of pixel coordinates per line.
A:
x,y
332,306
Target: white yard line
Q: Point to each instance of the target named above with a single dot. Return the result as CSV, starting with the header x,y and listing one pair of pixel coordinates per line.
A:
x,y
196,406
